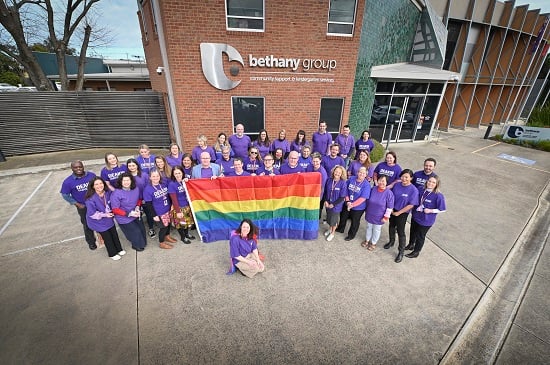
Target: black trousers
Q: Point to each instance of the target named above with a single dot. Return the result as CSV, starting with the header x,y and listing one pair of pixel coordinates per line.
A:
x,y
163,232
418,235
355,216
112,242
88,233
397,224
134,232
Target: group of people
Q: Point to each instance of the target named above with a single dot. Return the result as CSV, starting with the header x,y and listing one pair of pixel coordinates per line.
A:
x,y
154,185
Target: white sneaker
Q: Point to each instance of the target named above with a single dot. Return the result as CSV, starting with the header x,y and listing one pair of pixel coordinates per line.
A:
x,y
330,237
116,257
327,233
122,253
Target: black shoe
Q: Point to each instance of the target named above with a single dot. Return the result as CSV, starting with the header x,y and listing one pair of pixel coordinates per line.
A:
x,y
413,254
388,245
339,230
190,237
348,238
399,257
93,246
186,240
409,247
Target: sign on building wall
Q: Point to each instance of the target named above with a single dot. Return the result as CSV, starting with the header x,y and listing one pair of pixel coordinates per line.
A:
x,y
525,133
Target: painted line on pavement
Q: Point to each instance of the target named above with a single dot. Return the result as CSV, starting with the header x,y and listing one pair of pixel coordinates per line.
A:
x,y
482,148
507,161
42,246
24,204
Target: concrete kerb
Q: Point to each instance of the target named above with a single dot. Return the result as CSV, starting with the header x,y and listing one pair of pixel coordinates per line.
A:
x,y
484,332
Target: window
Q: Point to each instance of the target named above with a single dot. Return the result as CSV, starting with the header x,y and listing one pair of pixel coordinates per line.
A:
x,y
153,15
341,17
143,22
331,113
249,111
245,15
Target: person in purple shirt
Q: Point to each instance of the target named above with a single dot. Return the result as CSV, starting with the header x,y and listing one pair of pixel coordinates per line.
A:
x,y
335,195
175,155
405,198
182,218
346,141
238,169
126,203
142,180
378,211
278,158
187,164
243,249
281,143
202,147
292,166
163,168
316,167
226,161
364,143
156,197
100,217
240,142
146,159
73,191
299,142
389,168
321,140
267,168
362,161
356,202
262,143
305,158
253,162
221,142
420,177
111,170
206,169
331,160
431,203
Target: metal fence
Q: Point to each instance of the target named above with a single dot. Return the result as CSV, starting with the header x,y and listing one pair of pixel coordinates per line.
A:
x,y
35,122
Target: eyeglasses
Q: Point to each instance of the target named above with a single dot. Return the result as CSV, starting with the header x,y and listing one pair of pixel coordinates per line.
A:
x,y
253,152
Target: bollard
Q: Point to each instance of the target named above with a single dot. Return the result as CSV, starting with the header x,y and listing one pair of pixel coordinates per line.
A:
x,y
2,158
488,131
389,137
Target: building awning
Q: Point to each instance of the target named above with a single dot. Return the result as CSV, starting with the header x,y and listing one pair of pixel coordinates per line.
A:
x,y
411,72
112,76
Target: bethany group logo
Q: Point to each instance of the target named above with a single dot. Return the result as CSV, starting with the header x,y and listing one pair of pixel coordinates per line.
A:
x,y
212,64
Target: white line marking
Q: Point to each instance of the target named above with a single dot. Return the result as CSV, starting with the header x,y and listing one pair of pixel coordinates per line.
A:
x,y
24,203
41,246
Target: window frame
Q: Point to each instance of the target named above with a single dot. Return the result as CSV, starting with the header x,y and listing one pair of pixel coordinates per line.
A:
x,y
235,122
347,23
333,132
227,16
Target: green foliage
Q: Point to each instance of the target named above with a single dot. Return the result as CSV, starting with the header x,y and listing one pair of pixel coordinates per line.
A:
x,y
10,77
540,117
378,152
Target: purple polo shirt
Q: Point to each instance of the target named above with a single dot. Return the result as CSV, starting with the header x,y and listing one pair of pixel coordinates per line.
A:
x,y
362,145
226,165
329,162
240,145
428,200
174,161
126,200
321,142
146,164
354,166
346,143
419,179
262,170
335,190
287,169
158,195
239,246
282,144
177,188
358,190
377,205
112,175
392,172
251,165
404,195
77,187
196,153
95,204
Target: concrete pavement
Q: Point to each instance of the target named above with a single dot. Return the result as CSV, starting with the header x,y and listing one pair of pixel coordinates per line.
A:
x,y
318,302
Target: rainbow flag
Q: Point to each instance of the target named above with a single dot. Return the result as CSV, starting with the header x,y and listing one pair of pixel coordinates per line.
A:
x,y
285,206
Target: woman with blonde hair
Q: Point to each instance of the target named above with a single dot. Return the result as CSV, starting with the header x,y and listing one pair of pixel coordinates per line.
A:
x,y
175,155
335,195
202,147
163,168
112,170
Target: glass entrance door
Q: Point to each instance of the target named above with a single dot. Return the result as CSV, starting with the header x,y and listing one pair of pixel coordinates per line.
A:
x,y
401,118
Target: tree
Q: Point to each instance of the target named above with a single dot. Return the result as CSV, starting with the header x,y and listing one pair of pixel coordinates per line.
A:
x,y
21,17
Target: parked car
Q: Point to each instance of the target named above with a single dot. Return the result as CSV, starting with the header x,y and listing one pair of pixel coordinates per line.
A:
x,y
7,87
26,88
380,112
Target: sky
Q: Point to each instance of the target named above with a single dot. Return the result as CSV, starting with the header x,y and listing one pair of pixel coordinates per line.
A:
x,y
121,18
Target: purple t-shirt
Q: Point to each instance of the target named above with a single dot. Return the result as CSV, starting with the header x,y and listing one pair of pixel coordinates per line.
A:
x,y
296,146
321,142
346,143
197,150
141,183
233,173
239,246
112,175
377,204
77,187
362,145
287,169
284,145
324,178
329,163
354,166
251,165
187,172
335,190
428,200
146,164
240,145
158,195
419,179
262,170
358,190
392,172
404,195
126,200
94,205
262,148
177,188
174,161
226,165
304,162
